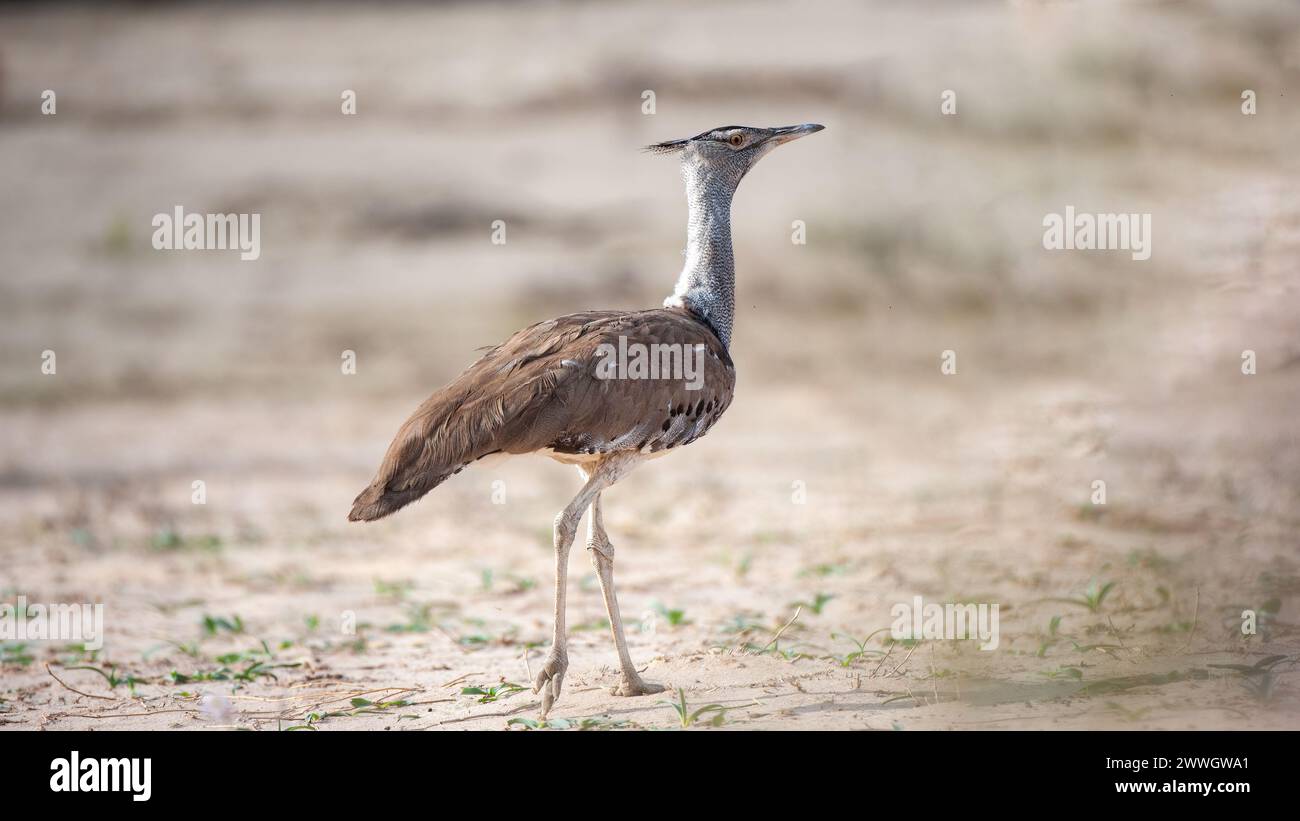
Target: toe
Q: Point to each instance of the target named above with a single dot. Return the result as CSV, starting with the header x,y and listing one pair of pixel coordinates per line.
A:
x,y
636,687
549,682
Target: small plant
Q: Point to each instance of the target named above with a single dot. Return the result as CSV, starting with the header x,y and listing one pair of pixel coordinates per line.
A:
x,y
112,678
1091,598
212,625
15,653
190,648
250,673
689,718
676,618
1260,678
475,640
824,570
521,584
78,653
589,723
1095,595
395,589
1089,512
819,601
789,654
169,538
260,669
307,726
365,705
848,659
247,655
906,644
774,644
1053,627
1149,558
487,694
360,707
418,619
743,623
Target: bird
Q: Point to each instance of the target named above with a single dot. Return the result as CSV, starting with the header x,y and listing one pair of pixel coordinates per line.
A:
x,y
600,390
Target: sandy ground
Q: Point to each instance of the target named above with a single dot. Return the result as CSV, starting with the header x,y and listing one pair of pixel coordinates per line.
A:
x,y
850,474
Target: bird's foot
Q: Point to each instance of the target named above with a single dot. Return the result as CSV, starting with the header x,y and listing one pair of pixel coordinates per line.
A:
x,y
635,686
550,679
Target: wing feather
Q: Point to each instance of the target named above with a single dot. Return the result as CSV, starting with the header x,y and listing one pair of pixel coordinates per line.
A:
x,y
539,390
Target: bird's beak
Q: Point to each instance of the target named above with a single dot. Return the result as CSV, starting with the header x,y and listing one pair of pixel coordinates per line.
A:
x,y
793,132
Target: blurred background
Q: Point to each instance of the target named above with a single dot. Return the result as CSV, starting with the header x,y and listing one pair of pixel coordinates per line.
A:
x,y
849,474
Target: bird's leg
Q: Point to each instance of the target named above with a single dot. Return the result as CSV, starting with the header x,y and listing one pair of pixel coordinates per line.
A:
x,y
602,556
550,679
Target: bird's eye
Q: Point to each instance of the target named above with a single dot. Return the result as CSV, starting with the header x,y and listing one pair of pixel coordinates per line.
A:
x,y
736,140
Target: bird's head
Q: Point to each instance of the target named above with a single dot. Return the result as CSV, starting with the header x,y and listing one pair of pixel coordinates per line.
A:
x,y
729,152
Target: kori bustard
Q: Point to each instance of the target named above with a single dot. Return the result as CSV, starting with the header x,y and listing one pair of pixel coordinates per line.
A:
x,y
568,388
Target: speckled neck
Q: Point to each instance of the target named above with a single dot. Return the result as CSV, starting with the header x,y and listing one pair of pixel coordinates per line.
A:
x,y
707,284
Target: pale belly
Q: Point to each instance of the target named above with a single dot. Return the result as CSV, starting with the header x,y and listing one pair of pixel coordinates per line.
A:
x,y
591,458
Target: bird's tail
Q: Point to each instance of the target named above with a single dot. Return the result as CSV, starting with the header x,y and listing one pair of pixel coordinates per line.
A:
x,y
379,500
421,457
444,435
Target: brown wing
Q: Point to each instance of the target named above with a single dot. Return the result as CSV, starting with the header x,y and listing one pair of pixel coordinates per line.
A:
x,y
562,385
